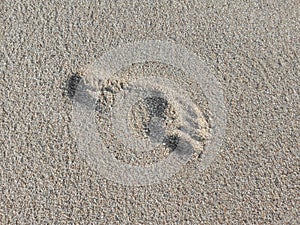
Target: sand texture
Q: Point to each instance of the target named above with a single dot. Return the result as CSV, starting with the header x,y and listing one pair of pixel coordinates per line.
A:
x,y
250,47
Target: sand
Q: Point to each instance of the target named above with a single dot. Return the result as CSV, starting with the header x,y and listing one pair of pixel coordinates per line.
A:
x,y
251,48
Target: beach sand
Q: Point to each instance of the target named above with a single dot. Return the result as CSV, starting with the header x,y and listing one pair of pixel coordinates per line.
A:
x,y
252,49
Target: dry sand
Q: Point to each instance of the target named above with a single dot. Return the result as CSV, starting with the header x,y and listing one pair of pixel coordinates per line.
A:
x,y
251,48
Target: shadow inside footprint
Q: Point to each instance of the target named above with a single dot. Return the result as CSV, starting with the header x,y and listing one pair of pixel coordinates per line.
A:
x,y
72,84
178,145
171,142
77,91
156,106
